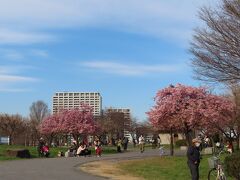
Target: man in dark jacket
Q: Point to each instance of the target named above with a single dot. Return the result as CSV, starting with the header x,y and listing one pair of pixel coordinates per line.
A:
x,y
193,155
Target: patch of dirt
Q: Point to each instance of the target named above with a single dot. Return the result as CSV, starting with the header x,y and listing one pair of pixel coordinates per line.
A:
x,y
107,169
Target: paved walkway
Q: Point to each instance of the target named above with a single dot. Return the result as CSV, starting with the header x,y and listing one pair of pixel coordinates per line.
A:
x,y
62,168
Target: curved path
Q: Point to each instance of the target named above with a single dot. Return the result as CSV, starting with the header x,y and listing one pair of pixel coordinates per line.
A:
x,y
60,168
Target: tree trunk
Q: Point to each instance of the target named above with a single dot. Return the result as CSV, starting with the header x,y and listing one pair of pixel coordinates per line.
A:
x,y
10,139
171,142
238,143
188,135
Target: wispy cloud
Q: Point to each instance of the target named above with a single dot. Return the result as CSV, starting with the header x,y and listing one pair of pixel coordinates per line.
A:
x,y
11,80
14,90
11,54
154,18
14,78
130,69
11,69
23,54
39,53
8,36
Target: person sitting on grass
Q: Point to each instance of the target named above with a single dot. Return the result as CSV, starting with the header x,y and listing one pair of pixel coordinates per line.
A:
x,y
83,150
73,148
41,143
45,150
229,147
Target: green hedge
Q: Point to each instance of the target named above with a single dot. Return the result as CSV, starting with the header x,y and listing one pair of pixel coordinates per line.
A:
x,y
232,165
181,142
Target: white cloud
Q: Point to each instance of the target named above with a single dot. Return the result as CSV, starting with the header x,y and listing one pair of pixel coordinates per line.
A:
x,y
15,78
23,54
11,54
8,36
10,81
39,53
130,69
170,19
13,90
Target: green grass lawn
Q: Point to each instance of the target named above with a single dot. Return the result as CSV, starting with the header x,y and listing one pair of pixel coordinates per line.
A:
x,y
163,168
53,151
32,150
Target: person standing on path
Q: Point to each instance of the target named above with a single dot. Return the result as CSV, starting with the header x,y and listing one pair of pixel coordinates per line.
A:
x,y
193,155
158,141
141,142
125,143
119,145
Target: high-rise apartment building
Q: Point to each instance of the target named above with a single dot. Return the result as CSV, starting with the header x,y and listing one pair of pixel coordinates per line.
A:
x,y
70,100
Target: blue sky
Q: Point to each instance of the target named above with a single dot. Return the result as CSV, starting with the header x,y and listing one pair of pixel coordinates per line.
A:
x,y
126,50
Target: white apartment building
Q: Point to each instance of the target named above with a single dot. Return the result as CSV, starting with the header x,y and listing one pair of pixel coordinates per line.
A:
x,y
70,100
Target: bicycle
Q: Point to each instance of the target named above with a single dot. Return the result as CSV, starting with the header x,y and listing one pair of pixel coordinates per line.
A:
x,y
216,171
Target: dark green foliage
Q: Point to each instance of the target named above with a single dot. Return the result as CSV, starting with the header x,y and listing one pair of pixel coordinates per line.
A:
x,y
18,153
232,165
181,142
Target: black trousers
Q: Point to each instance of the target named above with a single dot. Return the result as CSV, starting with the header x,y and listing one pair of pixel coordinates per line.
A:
x,y
194,170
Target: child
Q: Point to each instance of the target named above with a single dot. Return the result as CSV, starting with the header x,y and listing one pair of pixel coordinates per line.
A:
x,y
98,149
161,149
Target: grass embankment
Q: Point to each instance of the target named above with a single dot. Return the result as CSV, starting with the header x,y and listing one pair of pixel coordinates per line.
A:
x,y
53,151
163,168
32,150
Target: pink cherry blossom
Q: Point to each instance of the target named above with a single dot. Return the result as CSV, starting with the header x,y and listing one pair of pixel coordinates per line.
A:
x,y
78,121
185,108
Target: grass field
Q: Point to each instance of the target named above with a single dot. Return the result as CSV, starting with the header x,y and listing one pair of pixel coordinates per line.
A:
x,y
53,151
163,168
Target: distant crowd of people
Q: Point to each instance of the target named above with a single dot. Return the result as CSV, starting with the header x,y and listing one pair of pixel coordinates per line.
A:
x,y
83,149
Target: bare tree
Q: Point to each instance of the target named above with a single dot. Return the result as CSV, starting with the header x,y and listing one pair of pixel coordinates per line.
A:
x,y
38,111
32,133
11,125
144,128
216,47
112,124
235,96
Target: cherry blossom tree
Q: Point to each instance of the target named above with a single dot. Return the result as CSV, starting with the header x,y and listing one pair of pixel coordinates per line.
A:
x,y
77,122
185,109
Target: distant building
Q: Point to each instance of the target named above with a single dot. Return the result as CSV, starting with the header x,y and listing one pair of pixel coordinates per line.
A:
x,y
4,140
125,111
127,116
70,100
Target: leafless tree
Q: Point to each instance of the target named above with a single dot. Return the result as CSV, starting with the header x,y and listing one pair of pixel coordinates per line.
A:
x,y
11,125
31,132
235,96
112,124
38,111
216,46
144,128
